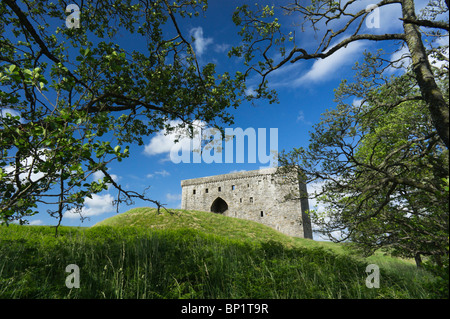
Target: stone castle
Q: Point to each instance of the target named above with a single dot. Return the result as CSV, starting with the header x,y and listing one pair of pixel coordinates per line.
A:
x,y
258,195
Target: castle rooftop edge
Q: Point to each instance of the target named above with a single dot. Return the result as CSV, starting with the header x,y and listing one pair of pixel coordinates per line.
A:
x,y
229,176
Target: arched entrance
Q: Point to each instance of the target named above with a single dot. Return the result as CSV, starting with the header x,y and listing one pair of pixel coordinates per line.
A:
x,y
219,206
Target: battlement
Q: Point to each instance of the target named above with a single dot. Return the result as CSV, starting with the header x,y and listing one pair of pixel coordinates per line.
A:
x,y
228,177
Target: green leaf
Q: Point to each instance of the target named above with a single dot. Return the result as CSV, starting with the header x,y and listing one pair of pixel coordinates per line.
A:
x,y
100,153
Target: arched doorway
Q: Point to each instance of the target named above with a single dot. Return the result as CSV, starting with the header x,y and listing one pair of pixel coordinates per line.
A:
x,y
219,206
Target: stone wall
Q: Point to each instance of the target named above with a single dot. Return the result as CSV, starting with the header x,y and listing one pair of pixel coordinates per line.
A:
x,y
254,195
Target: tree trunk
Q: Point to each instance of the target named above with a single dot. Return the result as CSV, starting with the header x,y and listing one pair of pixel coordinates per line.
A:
x,y
418,260
424,75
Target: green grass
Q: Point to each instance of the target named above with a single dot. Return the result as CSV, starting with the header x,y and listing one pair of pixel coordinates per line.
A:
x,y
141,254
208,223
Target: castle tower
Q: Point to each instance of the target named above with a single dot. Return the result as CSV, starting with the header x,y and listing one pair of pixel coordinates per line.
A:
x,y
258,195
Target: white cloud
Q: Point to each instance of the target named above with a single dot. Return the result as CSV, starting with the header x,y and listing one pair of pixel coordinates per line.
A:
x,y
401,60
357,102
287,75
164,142
173,197
250,91
301,118
322,70
237,171
27,167
388,19
220,48
403,57
325,69
315,188
99,175
161,143
320,208
36,222
384,20
443,42
162,173
97,205
200,42
4,111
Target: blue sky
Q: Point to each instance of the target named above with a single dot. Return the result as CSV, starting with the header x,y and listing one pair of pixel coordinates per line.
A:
x,y
305,90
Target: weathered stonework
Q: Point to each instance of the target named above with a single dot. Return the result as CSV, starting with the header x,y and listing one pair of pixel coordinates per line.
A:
x,y
254,195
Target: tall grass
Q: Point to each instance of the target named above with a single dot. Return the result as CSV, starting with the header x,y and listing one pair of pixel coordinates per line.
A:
x,y
130,262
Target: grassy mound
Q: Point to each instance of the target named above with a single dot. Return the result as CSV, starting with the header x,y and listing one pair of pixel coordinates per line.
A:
x,y
233,228
141,254
205,222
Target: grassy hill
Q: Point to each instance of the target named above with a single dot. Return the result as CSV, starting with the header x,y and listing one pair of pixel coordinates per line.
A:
x,y
232,228
189,254
205,222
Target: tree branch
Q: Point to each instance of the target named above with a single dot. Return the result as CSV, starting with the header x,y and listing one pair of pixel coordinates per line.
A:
x,y
24,21
344,43
427,23
44,50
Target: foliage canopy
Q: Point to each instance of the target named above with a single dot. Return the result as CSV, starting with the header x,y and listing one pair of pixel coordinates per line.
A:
x,y
382,167
74,99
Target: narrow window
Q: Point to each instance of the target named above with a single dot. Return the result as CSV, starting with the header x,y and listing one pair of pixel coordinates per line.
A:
x,y
251,199
220,189
193,192
240,200
206,190
262,214
233,187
